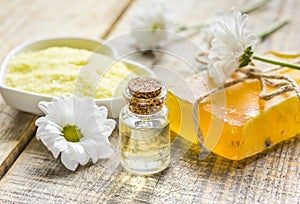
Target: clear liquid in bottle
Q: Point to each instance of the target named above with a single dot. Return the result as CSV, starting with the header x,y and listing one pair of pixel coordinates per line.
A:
x,y
145,150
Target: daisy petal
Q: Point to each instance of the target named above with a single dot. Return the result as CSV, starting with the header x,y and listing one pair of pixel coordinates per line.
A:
x,y
105,131
43,105
68,162
91,147
101,112
79,153
61,144
105,151
107,122
55,153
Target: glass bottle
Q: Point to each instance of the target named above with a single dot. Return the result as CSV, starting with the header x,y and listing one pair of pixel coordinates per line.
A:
x,y
144,127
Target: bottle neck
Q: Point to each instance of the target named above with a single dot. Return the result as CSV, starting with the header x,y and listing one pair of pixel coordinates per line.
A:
x,y
160,113
142,106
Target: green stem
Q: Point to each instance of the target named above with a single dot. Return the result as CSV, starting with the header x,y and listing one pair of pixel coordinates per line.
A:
x,y
272,28
271,61
180,28
253,6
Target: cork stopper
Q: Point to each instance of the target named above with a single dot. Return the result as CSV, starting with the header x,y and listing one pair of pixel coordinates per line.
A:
x,y
145,95
144,87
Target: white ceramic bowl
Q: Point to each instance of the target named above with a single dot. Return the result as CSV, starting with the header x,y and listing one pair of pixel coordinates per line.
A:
x,y
27,101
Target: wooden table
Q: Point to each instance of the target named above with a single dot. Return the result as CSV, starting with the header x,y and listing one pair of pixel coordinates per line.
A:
x,y
30,174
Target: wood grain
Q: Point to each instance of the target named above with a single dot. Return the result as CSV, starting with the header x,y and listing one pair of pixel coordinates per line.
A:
x,y
26,20
31,19
16,129
37,177
270,177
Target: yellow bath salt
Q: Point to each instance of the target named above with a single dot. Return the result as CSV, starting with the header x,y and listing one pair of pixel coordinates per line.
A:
x,y
54,71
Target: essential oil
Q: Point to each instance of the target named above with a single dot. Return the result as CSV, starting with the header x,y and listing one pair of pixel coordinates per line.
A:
x,y
144,127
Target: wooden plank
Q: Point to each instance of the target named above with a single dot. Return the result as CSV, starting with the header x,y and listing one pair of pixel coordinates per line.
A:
x,y
37,177
31,19
16,131
27,20
270,177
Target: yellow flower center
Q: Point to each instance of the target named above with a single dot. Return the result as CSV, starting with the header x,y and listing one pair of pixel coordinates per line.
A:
x,y
72,133
157,26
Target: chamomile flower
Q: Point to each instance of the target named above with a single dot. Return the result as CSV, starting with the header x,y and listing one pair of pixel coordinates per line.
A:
x,y
149,27
230,46
75,128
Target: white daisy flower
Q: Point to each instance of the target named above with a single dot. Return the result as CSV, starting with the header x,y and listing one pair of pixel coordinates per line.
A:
x,y
76,128
149,27
231,46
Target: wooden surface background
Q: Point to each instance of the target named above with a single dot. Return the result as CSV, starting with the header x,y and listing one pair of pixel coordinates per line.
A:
x,y
30,174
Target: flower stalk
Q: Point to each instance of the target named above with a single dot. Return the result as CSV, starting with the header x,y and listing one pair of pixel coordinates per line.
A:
x,y
275,62
253,6
273,28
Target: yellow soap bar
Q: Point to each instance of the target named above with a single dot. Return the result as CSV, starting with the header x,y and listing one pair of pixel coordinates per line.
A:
x,y
247,126
181,117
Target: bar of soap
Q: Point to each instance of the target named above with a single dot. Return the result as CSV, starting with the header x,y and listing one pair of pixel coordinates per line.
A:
x,y
245,125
